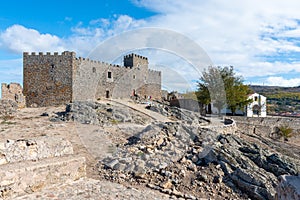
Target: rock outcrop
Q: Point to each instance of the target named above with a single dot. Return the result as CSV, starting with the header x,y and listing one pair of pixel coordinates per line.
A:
x,y
181,159
288,188
89,112
252,169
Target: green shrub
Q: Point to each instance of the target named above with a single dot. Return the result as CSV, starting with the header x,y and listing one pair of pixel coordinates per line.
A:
x,y
6,119
285,131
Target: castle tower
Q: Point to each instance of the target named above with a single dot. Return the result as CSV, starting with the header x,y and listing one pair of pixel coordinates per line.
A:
x,y
134,60
139,72
48,78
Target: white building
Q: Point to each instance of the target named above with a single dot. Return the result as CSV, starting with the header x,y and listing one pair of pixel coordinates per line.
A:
x,y
257,108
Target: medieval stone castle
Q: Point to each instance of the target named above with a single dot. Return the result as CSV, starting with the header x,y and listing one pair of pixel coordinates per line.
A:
x,y
56,79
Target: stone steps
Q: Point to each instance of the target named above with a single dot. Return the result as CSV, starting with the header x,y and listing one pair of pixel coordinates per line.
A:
x,y
30,165
29,176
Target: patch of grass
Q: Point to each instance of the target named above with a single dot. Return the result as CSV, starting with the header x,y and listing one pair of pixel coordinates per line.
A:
x,y
8,122
285,131
7,117
140,153
114,121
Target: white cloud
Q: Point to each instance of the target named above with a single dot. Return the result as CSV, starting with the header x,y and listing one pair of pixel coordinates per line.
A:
x,y
18,38
280,81
270,69
239,33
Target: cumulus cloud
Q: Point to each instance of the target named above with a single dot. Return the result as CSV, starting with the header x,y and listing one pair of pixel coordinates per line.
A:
x,y
245,34
239,33
86,37
280,81
258,69
18,38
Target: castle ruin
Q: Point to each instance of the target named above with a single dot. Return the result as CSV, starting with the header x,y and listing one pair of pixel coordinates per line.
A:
x,y
14,92
55,79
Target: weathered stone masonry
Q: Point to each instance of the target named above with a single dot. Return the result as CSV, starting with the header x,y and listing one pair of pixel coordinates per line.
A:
x,y
14,92
48,78
58,79
264,126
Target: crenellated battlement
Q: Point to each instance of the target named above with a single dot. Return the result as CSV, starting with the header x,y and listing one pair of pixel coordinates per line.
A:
x,y
127,58
65,53
57,78
153,71
134,60
87,60
132,55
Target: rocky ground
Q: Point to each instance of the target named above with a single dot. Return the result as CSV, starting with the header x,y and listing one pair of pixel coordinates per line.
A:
x,y
135,154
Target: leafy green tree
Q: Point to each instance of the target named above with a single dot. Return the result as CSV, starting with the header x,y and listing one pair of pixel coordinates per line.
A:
x,y
224,88
211,88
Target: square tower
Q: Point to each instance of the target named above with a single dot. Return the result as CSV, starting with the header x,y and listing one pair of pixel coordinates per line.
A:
x,y
48,78
134,60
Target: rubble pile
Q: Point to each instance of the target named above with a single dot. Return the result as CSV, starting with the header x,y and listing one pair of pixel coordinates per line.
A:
x,y
186,161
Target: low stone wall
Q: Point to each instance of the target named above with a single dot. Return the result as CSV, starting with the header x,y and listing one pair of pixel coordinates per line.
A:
x,y
34,149
14,92
227,128
27,177
264,126
288,188
29,165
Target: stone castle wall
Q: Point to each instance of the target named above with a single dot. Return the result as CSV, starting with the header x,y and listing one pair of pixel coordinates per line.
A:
x,y
154,84
14,92
265,126
58,79
48,78
96,79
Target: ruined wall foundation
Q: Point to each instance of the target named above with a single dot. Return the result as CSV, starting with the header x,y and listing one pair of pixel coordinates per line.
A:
x,y
14,92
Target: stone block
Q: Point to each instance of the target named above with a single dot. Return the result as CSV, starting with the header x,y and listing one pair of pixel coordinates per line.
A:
x,y
34,149
29,176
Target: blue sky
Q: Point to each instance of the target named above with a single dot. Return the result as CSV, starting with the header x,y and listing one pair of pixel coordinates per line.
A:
x,y
259,38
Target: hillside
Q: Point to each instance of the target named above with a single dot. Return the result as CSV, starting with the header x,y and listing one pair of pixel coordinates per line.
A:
x,y
274,89
123,150
281,100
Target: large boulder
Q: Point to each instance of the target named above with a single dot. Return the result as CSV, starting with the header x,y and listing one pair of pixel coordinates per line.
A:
x,y
83,112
